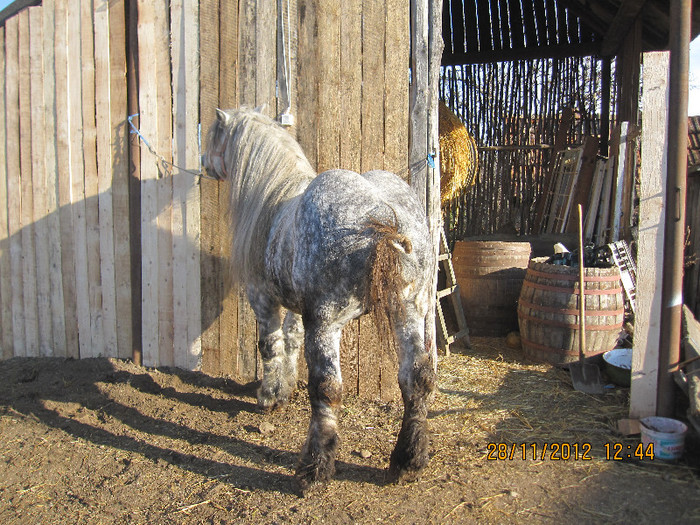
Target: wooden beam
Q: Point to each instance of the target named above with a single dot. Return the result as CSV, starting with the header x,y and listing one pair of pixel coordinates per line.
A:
x,y
620,26
596,17
426,46
652,195
528,53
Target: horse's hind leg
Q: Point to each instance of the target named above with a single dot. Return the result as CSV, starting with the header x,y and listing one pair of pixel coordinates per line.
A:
x,y
322,349
417,381
276,386
293,340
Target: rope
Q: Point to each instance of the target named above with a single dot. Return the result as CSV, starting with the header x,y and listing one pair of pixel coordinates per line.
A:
x,y
164,165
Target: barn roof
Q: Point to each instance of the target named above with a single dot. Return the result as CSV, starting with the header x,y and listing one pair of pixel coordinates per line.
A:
x,y
495,30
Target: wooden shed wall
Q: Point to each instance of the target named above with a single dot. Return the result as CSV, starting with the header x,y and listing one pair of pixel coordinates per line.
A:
x,y
79,212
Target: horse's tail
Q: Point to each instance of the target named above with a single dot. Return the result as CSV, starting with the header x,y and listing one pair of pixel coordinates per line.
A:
x,y
387,281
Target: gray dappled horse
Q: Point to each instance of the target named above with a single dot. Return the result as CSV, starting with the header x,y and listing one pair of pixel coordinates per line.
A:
x,y
328,248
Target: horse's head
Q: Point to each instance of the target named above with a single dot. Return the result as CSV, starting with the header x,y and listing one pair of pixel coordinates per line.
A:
x,y
217,138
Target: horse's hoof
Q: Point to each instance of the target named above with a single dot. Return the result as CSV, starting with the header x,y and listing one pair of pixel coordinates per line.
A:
x,y
405,468
267,406
268,401
310,483
403,475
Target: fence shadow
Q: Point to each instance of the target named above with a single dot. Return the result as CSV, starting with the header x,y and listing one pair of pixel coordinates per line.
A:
x,y
60,275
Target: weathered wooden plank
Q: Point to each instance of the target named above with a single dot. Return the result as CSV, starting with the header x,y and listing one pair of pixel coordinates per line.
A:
x,y
266,57
397,58
650,243
39,180
63,181
247,57
328,19
307,81
163,145
246,342
14,198
185,228
148,94
192,191
618,182
31,315
228,98
350,94
63,171
92,214
120,177
179,213
5,276
372,157
105,175
211,270
584,180
397,53
53,226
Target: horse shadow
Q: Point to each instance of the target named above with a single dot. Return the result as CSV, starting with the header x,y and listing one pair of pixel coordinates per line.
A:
x,y
73,396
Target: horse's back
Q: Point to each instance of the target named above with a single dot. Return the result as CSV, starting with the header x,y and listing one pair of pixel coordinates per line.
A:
x,y
325,253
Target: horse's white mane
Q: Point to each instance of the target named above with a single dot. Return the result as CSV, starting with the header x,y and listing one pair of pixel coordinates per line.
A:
x,y
265,167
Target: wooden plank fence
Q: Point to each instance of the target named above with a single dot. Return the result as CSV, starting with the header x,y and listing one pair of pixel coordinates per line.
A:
x,y
106,252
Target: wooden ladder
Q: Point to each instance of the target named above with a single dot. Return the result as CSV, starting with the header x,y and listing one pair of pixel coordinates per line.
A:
x,y
452,291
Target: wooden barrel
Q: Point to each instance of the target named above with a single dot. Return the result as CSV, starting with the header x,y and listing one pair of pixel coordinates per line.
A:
x,y
548,311
490,275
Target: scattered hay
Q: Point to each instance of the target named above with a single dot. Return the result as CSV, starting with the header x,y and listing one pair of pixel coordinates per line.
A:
x,y
459,160
511,400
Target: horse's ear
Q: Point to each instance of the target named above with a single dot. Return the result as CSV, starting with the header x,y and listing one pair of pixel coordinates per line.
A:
x,y
261,108
221,115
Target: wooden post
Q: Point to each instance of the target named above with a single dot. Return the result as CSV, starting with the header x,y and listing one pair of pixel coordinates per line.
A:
x,y
426,40
134,177
652,196
674,235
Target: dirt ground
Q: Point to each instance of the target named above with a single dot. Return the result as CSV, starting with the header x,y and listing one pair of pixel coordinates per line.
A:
x,y
104,441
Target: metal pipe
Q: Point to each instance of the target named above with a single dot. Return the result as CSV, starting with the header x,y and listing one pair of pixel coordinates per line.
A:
x,y
674,229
